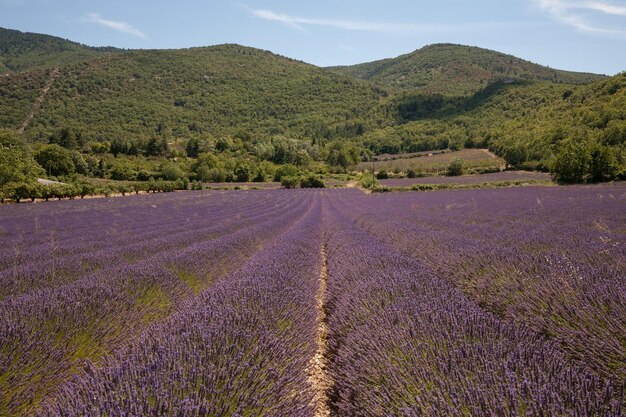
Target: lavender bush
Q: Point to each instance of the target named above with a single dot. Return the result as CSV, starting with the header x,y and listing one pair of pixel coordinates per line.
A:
x,y
500,302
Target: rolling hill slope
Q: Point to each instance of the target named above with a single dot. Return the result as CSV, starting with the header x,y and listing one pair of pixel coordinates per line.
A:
x,y
438,97
215,90
23,51
456,70
522,121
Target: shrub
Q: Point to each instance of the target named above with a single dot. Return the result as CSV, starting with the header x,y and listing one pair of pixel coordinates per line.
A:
x,y
144,175
382,175
260,176
182,184
123,189
312,181
86,189
290,182
105,191
216,175
286,170
367,181
455,168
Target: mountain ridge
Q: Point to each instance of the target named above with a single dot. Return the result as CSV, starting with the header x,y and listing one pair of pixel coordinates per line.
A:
x,y
219,89
241,95
23,51
434,67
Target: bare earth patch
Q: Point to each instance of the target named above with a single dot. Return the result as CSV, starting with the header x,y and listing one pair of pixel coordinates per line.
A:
x,y
319,378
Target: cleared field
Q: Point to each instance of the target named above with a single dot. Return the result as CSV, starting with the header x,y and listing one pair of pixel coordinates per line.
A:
x,y
438,162
316,302
469,179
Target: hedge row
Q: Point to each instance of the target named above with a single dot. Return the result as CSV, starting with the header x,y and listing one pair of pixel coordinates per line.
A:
x,y
33,191
306,181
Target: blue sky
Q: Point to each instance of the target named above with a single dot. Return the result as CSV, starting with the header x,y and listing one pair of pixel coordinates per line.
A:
x,y
580,35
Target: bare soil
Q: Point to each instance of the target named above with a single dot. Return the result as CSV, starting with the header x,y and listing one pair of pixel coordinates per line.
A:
x,y
319,377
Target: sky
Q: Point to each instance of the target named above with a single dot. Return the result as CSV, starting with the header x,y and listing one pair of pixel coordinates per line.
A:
x,y
577,35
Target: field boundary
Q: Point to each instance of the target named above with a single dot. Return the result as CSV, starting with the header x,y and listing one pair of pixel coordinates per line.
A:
x,y
437,187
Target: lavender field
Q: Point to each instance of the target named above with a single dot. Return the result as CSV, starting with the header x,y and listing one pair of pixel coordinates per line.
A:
x,y
470,179
489,302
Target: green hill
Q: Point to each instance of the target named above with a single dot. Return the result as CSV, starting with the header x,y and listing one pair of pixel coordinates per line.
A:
x,y
457,70
527,123
22,51
213,91
240,102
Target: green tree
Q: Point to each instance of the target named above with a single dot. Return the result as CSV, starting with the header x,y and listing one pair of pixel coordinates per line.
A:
x,y
119,146
156,147
56,160
80,165
515,154
193,148
572,162
122,170
203,165
455,168
603,165
66,138
342,154
242,172
16,162
302,158
171,172
286,170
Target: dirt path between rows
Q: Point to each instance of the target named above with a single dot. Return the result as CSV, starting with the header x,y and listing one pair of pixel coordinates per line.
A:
x,y
39,101
319,377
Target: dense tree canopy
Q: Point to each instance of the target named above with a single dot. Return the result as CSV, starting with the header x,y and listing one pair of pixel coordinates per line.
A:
x,y
16,162
232,113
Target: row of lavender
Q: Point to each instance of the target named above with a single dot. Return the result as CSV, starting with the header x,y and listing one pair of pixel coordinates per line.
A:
x,y
51,246
551,259
433,305
469,179
241,348
405,342
47,332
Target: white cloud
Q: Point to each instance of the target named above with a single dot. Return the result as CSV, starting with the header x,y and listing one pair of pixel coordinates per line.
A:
x,y
112,24
588,16
300,23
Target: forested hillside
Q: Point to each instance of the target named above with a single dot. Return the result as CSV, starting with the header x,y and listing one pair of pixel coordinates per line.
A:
x,y
210,91
234,113
457,70
527,123
21,51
